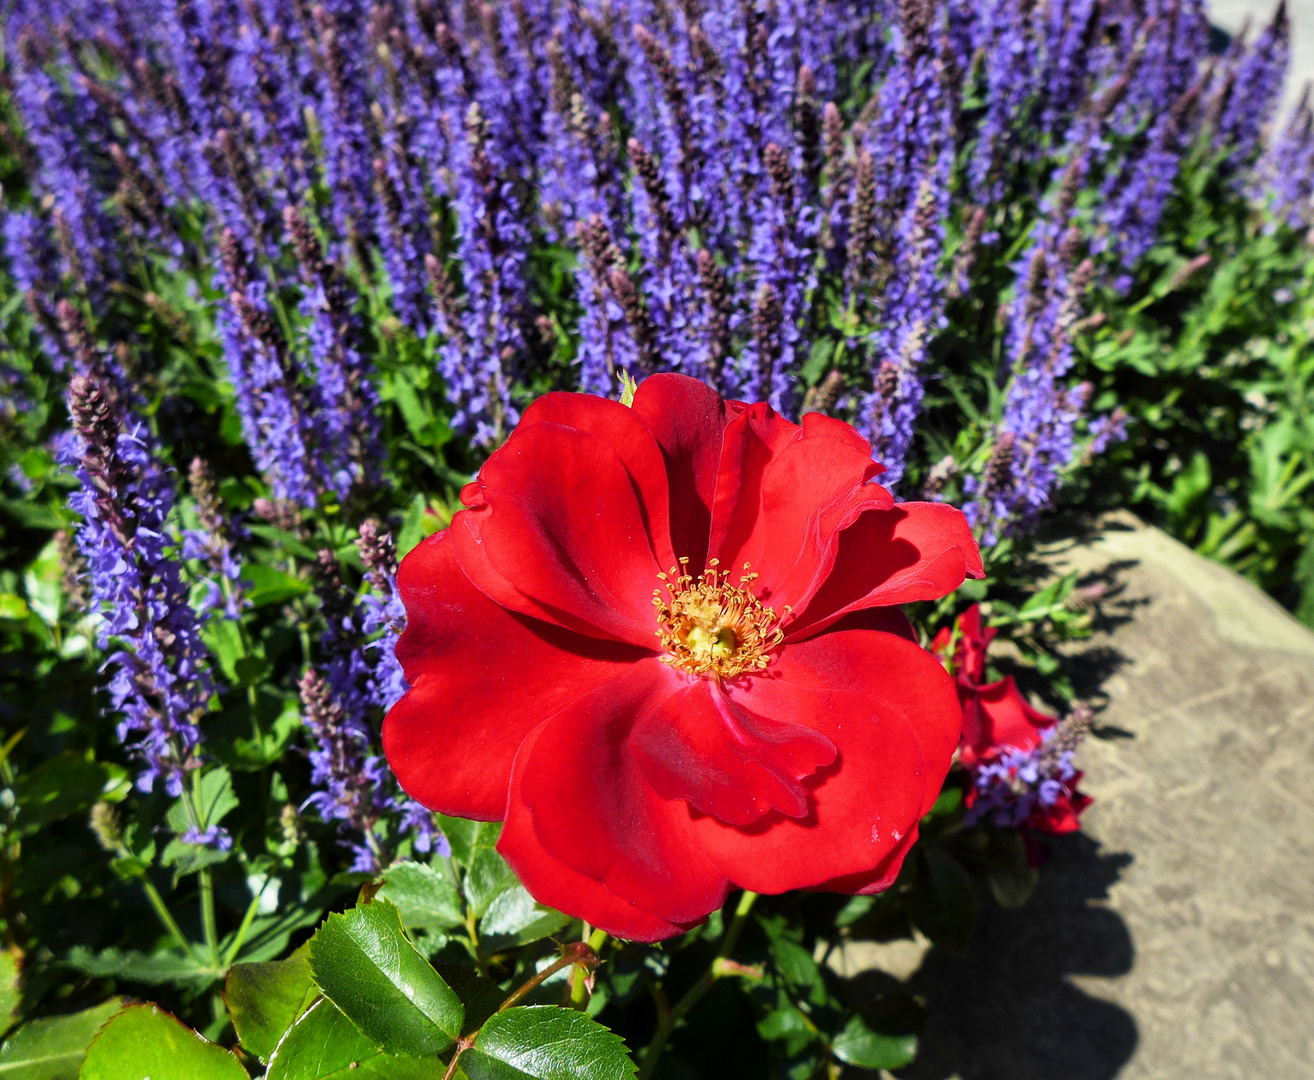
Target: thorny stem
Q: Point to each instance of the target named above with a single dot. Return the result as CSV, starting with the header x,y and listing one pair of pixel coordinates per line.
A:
x,y
579,953
579,992
666,1025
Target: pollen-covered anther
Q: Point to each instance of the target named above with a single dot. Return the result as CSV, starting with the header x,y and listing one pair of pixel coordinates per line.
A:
x,y
709,627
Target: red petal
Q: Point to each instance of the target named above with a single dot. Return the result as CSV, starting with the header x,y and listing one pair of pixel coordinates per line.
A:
x,y
973,644
693,743
626,431
688,419
563,524
559,885
874,881
890,669
752,438
783,495
997,715
481,680
862,805
890,620
914,551
583,794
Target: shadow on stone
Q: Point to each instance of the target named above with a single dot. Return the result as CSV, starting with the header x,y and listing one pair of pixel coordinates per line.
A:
x,y
1008,1009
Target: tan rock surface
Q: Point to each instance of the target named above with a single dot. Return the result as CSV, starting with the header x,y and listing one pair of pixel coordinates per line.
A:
x,y
1174,940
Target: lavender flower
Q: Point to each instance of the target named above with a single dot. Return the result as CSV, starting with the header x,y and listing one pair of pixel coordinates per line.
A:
x,y
212,544
268,398
160,681
1040,411
1254,87
911,144
343,402
1012,70
347,158
351,782
356,681
383,613
479,361
31,258
1134,197
57,125
1021,786
1288,168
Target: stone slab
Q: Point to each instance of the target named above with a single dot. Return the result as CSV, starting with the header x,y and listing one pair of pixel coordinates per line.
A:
x,y
1174,938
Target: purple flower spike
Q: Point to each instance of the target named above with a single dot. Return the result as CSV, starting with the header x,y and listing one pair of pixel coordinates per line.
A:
x,y
160,679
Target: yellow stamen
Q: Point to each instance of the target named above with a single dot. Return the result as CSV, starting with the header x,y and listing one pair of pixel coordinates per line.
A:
x,y
709,627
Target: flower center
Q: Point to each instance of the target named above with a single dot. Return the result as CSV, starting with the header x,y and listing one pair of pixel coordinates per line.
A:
x,y
709,627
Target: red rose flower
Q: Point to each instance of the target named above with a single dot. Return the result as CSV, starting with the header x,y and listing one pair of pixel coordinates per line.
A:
x,y
593,661
995,715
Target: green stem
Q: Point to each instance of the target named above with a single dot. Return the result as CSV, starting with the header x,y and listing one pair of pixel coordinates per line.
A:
x,y
162,913
240,937
579,992
303,632
666,1025
537,980
208,922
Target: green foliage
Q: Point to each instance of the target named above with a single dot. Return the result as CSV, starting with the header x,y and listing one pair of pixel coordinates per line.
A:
x,y
544,1042
53,1048
858,1045
265,999
144,1043
364,963
425,897
11,994
325,1045
1215,368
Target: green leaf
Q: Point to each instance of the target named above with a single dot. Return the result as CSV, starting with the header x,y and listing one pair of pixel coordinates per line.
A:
x,y
489,875
145,1043
265,999
366,966
944,901
13,606
412,529
325,1045
213,798
858,1045
798,967
268,585
482,996
157,967
187,858
53,1048
787,1025
973,589
64,785
1010,876
546,1042
466,837
818,361
946,802
515,917
425,896
10,990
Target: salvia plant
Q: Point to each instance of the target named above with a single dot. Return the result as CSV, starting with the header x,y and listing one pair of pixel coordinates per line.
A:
x,y
280,274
